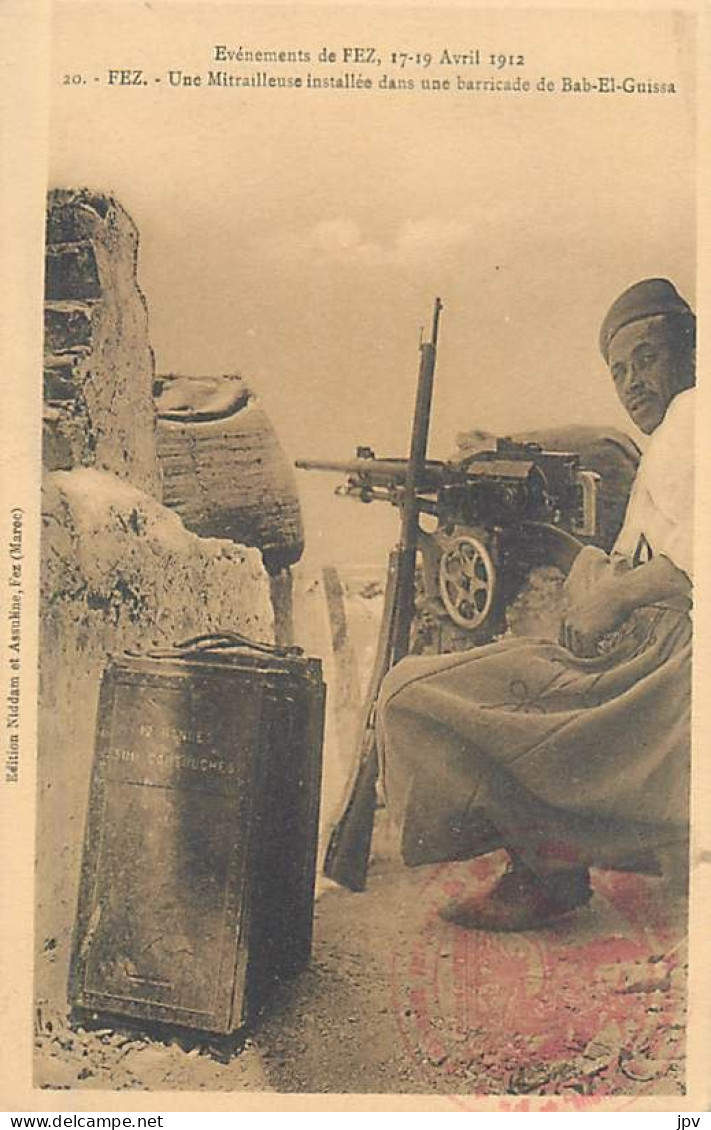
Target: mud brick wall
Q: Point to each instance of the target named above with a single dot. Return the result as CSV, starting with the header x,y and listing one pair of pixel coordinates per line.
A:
x,y
98,363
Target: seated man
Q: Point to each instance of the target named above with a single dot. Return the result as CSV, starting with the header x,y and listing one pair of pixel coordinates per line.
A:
x,y
571,754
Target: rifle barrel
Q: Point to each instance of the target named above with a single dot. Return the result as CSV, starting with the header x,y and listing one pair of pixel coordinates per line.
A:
x,y
416,466
349,846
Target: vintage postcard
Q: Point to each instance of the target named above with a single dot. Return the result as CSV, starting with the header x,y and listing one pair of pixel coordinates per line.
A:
x,y
353,642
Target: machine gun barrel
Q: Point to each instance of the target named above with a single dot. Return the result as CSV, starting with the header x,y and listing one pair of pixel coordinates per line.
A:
x,y
381,472
384,468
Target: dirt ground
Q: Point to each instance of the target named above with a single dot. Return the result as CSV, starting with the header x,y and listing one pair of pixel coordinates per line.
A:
x,y
397,1000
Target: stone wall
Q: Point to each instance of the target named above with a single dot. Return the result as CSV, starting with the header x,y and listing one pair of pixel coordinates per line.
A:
x,y
98,363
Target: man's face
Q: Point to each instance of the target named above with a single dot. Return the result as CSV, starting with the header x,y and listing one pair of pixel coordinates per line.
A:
x,y
645,369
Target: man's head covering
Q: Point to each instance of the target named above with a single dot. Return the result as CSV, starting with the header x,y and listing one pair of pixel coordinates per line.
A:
x,y
645,299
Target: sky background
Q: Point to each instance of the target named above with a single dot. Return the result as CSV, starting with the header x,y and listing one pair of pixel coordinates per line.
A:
x,y
301,238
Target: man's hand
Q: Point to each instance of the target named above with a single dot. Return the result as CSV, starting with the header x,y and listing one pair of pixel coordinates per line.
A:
x,y
592,618
594,614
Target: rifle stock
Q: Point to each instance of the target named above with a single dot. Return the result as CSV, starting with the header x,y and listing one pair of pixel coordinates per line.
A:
x,y
348,851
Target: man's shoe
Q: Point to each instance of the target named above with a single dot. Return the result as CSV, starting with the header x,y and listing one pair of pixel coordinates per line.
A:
x,y
522,900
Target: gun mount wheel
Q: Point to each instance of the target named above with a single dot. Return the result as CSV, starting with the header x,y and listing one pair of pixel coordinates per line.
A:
x,y
467,581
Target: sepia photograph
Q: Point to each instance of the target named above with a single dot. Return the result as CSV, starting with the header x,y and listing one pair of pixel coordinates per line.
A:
x,y
365,558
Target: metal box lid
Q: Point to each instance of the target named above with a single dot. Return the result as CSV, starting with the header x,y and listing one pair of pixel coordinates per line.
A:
x,y
228,650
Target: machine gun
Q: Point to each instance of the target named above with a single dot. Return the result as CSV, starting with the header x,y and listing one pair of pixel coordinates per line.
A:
x,y
496,514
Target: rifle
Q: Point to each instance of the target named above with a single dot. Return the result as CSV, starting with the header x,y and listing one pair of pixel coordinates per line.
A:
x,y
499,512
348,851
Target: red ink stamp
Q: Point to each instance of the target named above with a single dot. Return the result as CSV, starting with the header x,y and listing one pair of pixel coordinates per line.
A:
x,y
590,1008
